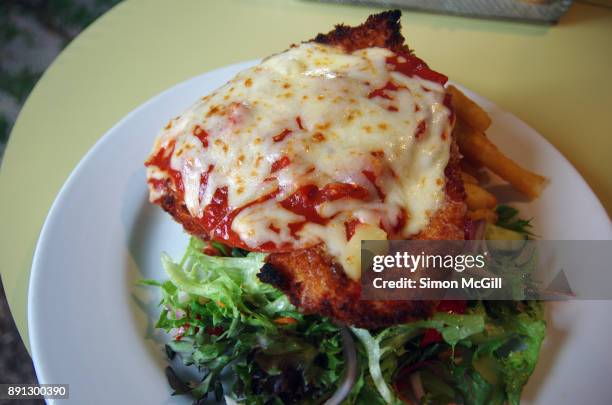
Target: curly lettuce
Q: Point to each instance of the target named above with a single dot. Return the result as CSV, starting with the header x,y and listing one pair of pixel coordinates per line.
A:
x,y
250,345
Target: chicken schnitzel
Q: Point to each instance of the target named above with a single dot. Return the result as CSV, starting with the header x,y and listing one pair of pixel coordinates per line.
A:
x,y
344,137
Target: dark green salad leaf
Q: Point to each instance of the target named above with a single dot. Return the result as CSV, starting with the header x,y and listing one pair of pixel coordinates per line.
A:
x,y
251,345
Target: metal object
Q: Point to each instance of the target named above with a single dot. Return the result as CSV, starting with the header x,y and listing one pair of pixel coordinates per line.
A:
x,y
542,11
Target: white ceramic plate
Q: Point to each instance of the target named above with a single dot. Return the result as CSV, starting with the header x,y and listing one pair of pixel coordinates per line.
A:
x,y
90,325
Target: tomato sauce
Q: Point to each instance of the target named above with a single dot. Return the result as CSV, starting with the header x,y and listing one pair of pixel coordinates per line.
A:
x,y
421,129
162,160
201,134
372,178
298,121
402,218
204,181
350,227
410,65
282,135
383,92
280,164
305,200
218,218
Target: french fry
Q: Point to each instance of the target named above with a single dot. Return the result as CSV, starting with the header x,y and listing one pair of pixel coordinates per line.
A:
x,y
483,213
478,147
468,110
468,178
477,197
476,165
470,169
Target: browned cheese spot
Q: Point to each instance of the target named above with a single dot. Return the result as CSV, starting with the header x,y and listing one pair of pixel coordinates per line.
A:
x,y
318,137
212,110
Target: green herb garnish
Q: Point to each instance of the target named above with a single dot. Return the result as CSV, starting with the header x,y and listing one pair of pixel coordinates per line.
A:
x,y
508,217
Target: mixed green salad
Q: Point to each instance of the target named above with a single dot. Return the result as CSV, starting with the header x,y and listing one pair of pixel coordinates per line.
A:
x,y
250,345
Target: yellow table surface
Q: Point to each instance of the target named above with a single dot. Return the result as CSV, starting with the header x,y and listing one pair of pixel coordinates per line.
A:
x,y
557,79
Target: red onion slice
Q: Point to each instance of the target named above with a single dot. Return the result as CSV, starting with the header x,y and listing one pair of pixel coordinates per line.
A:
x,y
350,370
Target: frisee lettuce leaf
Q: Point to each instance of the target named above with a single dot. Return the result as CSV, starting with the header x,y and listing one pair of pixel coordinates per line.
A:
x,y
247,340
251,345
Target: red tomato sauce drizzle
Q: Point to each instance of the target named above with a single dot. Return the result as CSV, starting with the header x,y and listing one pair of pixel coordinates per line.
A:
x,y
280,164
383,92
372,178
413,66
204,181
305,200
421,129
218,217
298,120
350,227
282,135
162,160
201,134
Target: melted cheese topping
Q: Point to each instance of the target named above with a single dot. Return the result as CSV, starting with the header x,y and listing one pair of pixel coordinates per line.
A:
x,y
313,116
